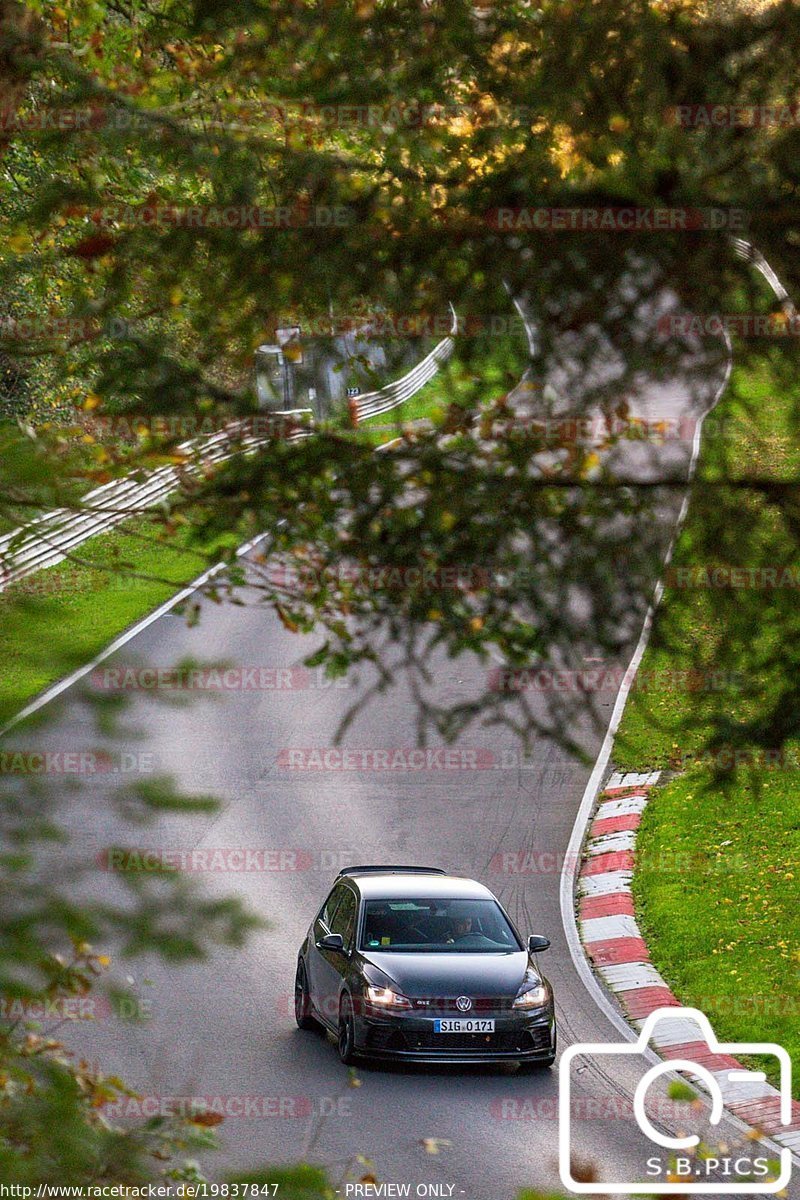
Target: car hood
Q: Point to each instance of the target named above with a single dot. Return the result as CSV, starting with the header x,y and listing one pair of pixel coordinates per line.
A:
x,y
430,974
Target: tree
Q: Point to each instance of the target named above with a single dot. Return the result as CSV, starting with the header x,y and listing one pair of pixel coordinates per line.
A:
x,y
178,179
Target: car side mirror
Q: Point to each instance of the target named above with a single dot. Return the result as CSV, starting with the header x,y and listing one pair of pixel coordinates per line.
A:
x,y
537,942
335,941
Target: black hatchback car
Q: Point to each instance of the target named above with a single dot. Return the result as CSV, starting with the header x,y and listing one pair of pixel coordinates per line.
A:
x,y
411,963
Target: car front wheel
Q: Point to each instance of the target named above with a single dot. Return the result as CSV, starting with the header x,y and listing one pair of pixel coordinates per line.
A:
x,y
346,1041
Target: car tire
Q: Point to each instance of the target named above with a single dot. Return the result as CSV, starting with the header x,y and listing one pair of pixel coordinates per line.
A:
x,y
302,1000
346,1038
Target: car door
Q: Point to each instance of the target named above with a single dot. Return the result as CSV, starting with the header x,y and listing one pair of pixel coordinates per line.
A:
x,y
333,965
316,965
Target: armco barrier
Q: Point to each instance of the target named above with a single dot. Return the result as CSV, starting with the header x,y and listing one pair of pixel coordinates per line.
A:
x,y
372,404
749,253
50,538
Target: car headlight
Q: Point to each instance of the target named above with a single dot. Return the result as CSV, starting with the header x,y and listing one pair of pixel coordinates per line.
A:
x,y
534,997
384,997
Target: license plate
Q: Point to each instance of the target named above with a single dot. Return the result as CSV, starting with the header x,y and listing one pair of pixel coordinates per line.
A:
x,y
463,1025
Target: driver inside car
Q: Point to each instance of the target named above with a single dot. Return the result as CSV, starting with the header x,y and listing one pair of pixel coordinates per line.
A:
x,y
461,927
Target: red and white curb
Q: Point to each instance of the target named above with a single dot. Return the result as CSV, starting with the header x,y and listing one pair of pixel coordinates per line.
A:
x,y
614,944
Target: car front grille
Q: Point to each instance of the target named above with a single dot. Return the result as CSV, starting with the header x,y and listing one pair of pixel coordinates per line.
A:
x,y
480,1004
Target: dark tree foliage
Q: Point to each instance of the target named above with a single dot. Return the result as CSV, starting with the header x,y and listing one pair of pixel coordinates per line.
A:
x,y
180,179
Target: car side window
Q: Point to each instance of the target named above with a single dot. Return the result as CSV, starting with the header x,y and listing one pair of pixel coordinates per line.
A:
x,y
326,913
344,918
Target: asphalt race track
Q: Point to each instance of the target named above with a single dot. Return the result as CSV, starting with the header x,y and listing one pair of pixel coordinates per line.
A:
x,y
226,1028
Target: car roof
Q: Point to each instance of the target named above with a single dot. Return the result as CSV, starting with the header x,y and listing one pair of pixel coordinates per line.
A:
x,y
396,886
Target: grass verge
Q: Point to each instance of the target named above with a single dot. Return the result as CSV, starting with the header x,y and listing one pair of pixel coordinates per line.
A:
x,y
61,617
716,895
717,885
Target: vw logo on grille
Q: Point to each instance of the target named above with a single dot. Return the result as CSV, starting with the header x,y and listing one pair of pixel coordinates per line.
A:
x,y
463,1004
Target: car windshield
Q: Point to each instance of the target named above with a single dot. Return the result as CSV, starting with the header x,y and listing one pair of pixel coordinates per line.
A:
x,y
443,926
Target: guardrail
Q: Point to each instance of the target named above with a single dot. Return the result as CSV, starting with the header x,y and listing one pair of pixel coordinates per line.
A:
x,y
50,538
746,251
372,404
